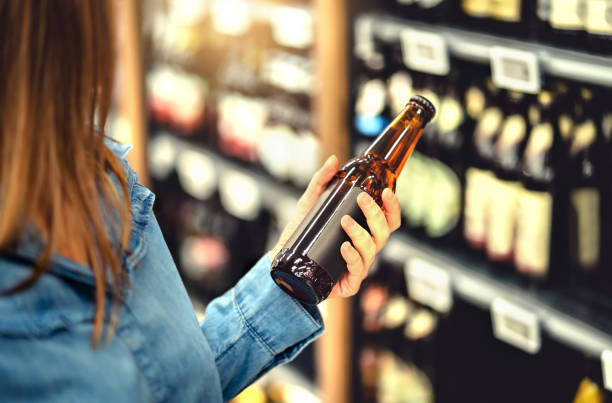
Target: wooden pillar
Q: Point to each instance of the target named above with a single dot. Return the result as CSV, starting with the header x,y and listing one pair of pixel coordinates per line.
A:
x,y
331,106
131,83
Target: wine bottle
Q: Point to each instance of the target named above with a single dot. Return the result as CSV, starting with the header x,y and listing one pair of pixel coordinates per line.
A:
x,y
598,23
442,221
537,201
567,23
506,189
310,263
479,176
584,192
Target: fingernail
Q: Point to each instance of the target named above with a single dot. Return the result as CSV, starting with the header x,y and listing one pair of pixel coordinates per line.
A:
x,y
345,246
347,221
388,194
365,199
330,159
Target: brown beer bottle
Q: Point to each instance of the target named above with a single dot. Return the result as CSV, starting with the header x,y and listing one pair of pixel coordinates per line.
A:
x,y
310,263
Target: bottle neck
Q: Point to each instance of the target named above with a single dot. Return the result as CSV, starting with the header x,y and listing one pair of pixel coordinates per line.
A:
x,y
395,144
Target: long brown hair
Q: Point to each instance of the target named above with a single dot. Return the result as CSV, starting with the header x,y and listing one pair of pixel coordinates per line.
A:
x,y
56,79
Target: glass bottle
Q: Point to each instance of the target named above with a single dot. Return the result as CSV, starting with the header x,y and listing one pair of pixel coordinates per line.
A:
x,y
538,201
479,177
584,192
310,263
506,188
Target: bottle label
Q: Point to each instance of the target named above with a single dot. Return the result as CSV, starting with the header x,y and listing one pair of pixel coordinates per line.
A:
x,y
478,191
585,204
444,206
506,10
567,14
322,245
533,231
502,218
372,98
412,189
274,145
474,102
451,115
477,8
307,158
599,17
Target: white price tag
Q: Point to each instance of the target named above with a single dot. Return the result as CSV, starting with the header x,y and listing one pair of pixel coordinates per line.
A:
x,y
428,284
606,368
515,69
515,325
425,51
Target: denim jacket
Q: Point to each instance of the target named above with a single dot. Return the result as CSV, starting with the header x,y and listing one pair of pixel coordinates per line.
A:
x,y
159,351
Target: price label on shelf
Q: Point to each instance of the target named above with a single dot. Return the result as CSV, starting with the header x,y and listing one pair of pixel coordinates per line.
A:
x,y
515,325
606,368
428,284
515,69
425,51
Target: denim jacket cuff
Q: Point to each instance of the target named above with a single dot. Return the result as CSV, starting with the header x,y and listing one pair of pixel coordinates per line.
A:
x,y
280,322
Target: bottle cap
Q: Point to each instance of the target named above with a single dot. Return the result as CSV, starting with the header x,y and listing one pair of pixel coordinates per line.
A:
x,y
423,102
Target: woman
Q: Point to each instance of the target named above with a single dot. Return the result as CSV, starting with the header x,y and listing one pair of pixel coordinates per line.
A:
x,y
92,307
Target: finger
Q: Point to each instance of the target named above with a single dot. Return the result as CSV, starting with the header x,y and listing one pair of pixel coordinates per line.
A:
x,y
377,222
354,264
393,210
319,181
361,239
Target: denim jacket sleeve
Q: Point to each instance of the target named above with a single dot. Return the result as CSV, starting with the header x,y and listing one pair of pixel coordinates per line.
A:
x,y
254,327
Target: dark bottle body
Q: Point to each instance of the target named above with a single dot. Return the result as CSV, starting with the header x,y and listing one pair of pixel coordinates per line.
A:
x,y
310,263
479,178
538,224
506,186
584,166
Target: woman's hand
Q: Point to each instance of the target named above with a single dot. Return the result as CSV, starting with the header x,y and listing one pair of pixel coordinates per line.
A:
x,y
360,253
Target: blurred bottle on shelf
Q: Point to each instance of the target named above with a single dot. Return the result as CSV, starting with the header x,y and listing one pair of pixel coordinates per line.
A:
x,y
477,12
479,178
427,10
567,23
598,24
310,263
584,178
371,109
506,186
538,229
443,221
414,190
606,194
177,100
512,17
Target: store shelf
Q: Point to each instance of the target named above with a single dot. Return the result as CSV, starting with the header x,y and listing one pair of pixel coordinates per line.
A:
x,y
476,47
564,319
272,192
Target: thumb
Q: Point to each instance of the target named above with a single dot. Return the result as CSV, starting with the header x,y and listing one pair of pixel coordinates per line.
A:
x,y
318,182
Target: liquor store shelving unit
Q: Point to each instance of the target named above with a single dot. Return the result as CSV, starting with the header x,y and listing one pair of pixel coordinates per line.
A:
x,y
469,280
438,274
